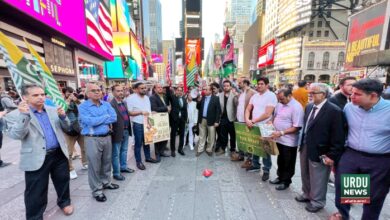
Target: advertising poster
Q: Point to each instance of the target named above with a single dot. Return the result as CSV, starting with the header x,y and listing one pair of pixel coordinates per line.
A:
x,y
63,16
156,128
250,141
218,58
366,32
266,54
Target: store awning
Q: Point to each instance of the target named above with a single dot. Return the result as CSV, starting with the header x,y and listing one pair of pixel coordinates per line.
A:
x,y
381,58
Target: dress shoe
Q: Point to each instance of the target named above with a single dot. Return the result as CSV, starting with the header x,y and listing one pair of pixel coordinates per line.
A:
x,y
127,170
164,155
301,199
246,164
265,176
252,169
198,153
68,210
220,152
101,198
275,181
181,152
141,166
111,186
282,186
210,154
119,177
312,209
173,154
236,157
151,160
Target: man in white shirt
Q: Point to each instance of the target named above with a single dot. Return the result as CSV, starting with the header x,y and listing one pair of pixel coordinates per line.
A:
x,y
139,106
261,105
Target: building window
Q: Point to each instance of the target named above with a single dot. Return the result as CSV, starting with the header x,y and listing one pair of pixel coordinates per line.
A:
x,y
325,61
319,24
312,24
310,62
326,34
311,34
340,59
318,33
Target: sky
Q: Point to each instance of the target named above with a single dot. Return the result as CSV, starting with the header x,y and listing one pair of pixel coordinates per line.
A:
x,y
213,17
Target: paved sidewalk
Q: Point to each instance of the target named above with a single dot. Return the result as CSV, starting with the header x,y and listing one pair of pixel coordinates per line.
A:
x,y
173,189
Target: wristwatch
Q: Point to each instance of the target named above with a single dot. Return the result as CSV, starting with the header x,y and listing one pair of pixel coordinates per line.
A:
x,y
281,132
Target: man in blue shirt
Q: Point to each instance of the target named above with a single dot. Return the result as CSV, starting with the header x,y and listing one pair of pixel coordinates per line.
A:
x,y
368,145
95,118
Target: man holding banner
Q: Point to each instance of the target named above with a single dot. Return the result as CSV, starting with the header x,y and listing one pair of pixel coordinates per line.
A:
x,y
261,106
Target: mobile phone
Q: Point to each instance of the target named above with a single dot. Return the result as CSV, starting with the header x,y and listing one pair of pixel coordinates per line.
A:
x,y
322,159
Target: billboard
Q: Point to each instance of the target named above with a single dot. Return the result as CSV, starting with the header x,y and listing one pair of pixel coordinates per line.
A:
x,y
193,46
99,27
292,14
121,43
157,58
63,16
266,54
121,19
288,54
367,32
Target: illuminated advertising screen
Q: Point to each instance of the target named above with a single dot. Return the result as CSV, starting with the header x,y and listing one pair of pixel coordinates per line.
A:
x,y
121,43
292,14
99,27
135,49
157,58
63,16
120,15
288,54
266,54
367,32
193,46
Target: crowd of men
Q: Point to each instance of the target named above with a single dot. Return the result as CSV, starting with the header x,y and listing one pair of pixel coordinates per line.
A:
x,y
347,132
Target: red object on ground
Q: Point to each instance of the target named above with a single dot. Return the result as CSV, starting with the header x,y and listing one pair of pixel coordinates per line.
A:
x,y
207,173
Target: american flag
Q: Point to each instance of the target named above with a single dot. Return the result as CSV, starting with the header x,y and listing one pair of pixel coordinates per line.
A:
x,y
99,27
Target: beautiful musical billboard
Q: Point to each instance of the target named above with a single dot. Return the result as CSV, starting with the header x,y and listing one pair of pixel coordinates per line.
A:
x,y
266,54
367,32
63,16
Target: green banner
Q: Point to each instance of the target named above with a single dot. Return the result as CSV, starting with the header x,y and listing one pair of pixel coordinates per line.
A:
x,y
248,140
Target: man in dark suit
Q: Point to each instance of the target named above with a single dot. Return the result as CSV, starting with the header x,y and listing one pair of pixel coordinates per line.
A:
x,y
120,136
343,97
178,118
322,145
209,116
159,104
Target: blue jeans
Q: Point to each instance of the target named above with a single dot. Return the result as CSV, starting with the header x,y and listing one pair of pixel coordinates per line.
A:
x,y
267,163
119,154
138,131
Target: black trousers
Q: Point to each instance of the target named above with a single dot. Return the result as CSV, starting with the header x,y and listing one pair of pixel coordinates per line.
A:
x,y
177,125
37,184
226,129
378,167
159,148
286,163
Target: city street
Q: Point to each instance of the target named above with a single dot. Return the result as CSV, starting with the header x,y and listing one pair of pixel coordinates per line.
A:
x,y
172,189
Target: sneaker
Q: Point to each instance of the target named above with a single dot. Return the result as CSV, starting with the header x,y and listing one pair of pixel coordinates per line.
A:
x,y
191,147
84,167
73,174
246,164
253,169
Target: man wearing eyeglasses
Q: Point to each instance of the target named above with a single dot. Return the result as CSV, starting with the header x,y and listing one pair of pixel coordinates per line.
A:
x,y
96,116
322,145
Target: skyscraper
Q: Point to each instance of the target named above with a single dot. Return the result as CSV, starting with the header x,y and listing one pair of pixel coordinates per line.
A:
x,y
152,25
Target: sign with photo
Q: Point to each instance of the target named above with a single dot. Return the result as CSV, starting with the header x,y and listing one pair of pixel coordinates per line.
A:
x,y
156,128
